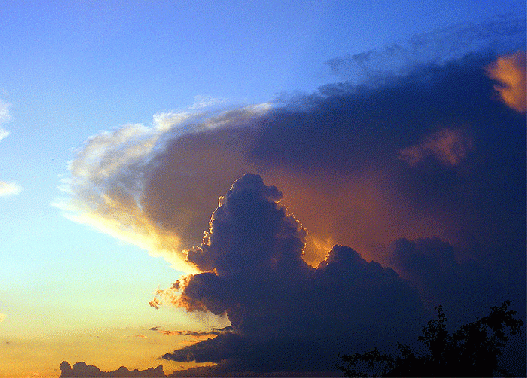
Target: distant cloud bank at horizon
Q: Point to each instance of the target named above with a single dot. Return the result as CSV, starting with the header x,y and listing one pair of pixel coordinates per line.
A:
x,y
422,172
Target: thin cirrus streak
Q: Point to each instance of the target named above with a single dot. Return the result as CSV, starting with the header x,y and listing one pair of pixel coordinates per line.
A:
x,y
501,34
3,133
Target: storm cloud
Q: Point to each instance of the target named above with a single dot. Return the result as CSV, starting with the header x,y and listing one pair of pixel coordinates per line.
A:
x,y
277,304
375,157
422,171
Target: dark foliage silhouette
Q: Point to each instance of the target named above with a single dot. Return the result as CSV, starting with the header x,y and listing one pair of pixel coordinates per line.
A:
x,y
470,351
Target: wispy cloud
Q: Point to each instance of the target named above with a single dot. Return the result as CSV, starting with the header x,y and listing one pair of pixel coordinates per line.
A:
x,y
6,188
499,34
5,116
4,111
447,146
3,133
196,334
201,102
9,188
106,181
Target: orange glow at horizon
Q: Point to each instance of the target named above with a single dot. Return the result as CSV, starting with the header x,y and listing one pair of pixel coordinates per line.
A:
x,y
108,349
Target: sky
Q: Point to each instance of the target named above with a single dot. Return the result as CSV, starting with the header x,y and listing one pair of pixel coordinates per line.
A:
x,y
393,130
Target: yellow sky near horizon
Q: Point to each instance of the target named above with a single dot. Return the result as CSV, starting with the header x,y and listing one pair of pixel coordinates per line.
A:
x,y
108,349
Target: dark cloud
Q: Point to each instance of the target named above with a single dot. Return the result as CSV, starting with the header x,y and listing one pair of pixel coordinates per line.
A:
x,y
378,159
467,289
181,179
422,169
288,316
350,152
284,313
433,153
81,369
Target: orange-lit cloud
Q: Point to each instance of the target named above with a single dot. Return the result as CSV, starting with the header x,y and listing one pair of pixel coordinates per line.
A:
x,y
510,71
335,161
448,146
3,133
345,161
168,297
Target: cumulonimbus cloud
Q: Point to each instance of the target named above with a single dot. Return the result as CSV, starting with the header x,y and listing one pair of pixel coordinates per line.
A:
x,y
278,305
346,161
254,273
424,167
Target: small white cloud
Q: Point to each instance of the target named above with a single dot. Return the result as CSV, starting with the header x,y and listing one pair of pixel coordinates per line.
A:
x,y
4,117
3,133
201,102
9,188
6,188
4,112
169,120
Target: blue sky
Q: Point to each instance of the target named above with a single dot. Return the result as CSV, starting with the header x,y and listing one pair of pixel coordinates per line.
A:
x,y
73,69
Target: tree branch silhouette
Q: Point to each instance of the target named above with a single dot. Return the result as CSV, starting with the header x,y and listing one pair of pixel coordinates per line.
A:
x,y
470,351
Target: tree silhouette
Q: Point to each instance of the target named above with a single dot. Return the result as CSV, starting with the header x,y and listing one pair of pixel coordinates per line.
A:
x,y
472,350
